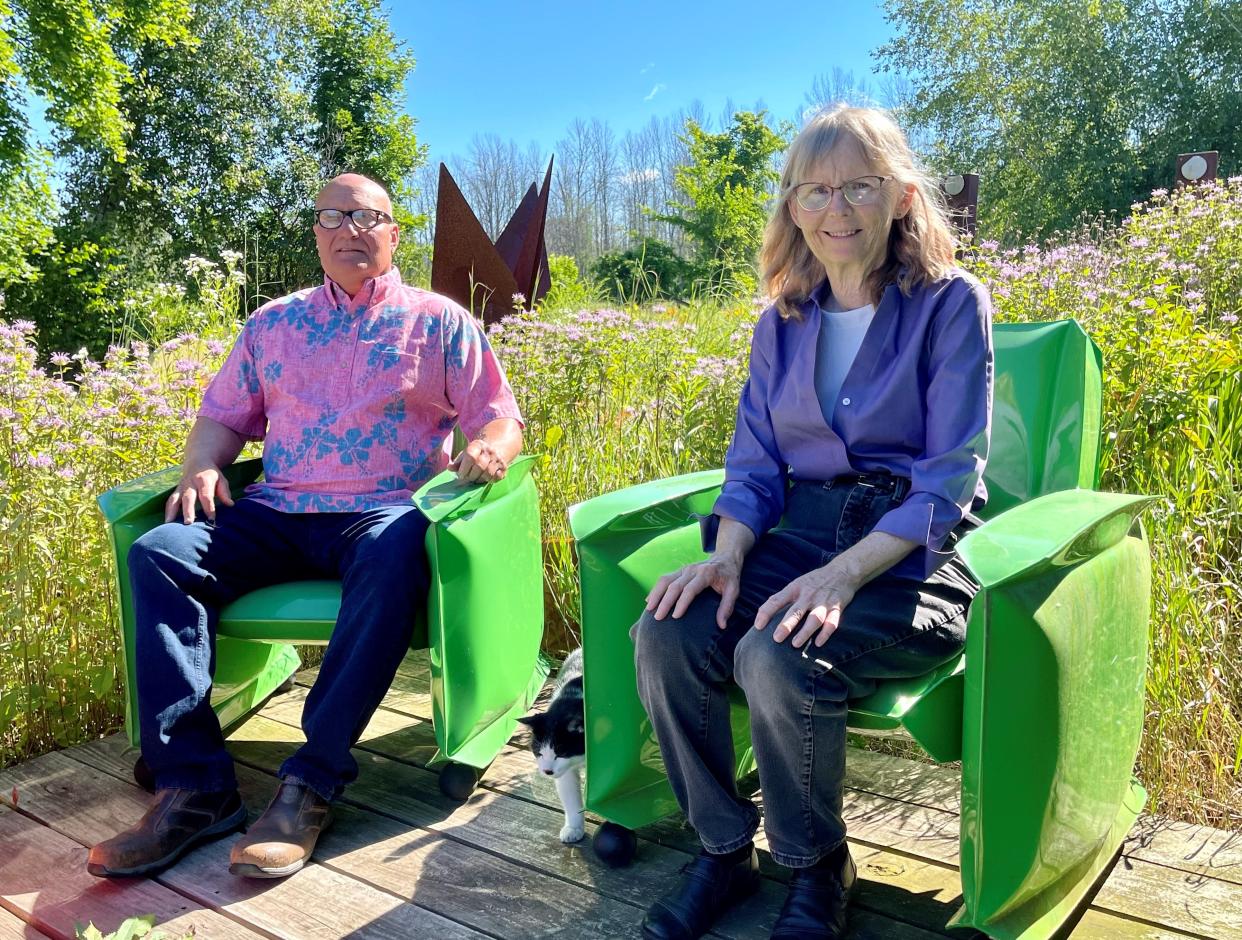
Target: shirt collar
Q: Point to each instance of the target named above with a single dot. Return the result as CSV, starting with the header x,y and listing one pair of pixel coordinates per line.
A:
x,y
374,290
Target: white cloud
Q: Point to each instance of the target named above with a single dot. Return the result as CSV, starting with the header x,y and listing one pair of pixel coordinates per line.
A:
x,y
659,87
645,175
646,68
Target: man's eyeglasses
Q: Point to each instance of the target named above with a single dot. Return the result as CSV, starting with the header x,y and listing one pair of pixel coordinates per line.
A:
x,y
364,219
857,192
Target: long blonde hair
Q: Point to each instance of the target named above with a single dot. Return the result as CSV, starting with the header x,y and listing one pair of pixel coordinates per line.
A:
x,y
920,244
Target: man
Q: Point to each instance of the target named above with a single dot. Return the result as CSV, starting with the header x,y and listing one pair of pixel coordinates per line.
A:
x,y
354,387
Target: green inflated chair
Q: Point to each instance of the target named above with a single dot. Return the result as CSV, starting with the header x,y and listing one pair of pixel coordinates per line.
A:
x,y
1045,707
483,547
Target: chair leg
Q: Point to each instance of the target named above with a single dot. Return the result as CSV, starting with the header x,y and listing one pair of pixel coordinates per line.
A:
x,y
143,776
457,781
615,845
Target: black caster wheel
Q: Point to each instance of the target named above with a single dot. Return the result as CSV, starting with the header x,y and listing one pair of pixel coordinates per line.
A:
x,y
143,776
615,845
457,781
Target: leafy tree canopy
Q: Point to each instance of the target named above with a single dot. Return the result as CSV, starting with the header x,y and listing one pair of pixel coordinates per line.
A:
x,y
726,183
1068,109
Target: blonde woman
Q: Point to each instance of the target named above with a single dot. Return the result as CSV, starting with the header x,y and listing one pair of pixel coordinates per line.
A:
x,y
858,453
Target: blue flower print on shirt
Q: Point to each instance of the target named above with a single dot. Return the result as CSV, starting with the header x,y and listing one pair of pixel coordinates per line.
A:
x,y
248,378
384,433
395,410
271,372
383,356
319,439
352,446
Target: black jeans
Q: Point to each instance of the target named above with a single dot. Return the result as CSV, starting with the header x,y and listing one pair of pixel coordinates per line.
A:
x,y
894,627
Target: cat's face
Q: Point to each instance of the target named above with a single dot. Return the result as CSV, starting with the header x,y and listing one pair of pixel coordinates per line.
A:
x,y
557,740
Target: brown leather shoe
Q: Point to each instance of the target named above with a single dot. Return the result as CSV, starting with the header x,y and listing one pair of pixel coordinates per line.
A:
x,y
175,822
282,839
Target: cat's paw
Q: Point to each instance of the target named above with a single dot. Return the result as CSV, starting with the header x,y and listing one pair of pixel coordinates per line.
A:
x,y
573,831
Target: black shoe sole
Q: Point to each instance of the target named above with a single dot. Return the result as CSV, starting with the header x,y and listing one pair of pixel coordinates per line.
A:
x,y
215,831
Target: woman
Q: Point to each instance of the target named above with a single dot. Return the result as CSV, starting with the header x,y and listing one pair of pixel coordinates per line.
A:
x,y
859,449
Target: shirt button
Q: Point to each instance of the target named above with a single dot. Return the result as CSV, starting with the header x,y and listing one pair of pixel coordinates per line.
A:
x,y
845,401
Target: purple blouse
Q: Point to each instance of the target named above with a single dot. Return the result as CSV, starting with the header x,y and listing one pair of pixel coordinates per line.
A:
x,y
917,402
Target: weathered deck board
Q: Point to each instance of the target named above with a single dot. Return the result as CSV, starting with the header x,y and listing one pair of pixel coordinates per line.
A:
x,y
43,875
13,927
88,805
922,831
403,860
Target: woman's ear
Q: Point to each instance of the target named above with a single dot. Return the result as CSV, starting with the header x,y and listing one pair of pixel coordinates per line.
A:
x,y
905,202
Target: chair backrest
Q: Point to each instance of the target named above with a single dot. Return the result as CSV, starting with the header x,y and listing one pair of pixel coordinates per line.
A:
x,y
1046,413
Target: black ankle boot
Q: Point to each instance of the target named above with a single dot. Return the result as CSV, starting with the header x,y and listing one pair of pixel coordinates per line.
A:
x,y
817,901
710,885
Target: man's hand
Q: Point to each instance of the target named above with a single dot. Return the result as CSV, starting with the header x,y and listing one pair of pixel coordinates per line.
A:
x,y
675,591
480,462
205,485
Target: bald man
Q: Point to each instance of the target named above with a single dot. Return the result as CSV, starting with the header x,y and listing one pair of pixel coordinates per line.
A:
x,y
354,387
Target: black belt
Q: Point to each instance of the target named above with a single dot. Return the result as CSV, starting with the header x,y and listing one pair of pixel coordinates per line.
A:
x,y
883,482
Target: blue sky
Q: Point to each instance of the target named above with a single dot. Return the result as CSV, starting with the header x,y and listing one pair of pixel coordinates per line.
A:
x,y
525,70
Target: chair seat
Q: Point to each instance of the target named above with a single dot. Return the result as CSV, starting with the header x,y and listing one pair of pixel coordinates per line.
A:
x,y
294,612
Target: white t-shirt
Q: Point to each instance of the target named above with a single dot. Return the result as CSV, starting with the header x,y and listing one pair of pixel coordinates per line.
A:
x,y
840,336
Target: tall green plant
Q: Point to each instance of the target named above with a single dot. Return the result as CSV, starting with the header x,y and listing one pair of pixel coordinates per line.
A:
x,y
726,187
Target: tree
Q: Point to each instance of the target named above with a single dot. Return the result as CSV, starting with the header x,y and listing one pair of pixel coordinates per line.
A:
x,y
72,53
1068,109
726,186
227,142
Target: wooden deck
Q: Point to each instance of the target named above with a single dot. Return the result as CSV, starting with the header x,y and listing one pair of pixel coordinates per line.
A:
x,y
403,861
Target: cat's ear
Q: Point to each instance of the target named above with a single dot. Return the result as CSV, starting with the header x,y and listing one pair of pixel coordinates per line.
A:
x,y
576,725
529,720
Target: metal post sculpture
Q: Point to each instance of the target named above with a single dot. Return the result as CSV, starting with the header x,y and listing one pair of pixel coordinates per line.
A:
x,y
962,193
1194,168
483,277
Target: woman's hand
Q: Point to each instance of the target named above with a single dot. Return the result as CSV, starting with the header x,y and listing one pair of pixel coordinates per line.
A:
x,y
815,603
722,573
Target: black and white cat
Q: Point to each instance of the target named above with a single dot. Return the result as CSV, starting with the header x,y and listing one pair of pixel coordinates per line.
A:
x,y
559,743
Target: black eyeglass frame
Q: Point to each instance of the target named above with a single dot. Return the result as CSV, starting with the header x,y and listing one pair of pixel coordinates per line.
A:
x,y
351,214
832,189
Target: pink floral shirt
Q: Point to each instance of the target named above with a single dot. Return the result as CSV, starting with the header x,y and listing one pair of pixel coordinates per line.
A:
x,y
355,399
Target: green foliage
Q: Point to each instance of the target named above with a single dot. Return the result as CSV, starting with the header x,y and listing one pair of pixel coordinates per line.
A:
x,y
68,432
1068,108
229,140
130,929
73,53
27,210
726,187
568,288
650,270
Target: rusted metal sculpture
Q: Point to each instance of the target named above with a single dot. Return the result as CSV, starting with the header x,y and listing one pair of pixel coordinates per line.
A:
x,y
1194,168
483,277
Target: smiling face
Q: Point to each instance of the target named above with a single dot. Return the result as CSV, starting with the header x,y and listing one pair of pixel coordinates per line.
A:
x,y
849,241
348,254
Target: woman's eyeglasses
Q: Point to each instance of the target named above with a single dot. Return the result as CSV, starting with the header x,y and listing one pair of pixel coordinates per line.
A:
x,y
857,192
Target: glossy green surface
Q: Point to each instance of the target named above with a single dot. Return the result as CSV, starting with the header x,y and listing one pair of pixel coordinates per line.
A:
x,y
1045,707
483,625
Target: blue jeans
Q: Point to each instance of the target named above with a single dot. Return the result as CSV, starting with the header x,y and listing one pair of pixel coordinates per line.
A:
x,y
182,575
798,698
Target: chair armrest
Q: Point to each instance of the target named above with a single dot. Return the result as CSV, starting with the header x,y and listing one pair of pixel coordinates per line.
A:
x,y
653,505
147,493
1052,531
444,497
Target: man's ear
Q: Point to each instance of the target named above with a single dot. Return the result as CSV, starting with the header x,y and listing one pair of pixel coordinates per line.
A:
x,y
396,235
